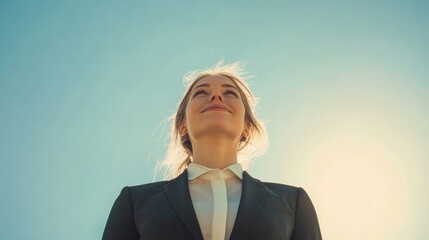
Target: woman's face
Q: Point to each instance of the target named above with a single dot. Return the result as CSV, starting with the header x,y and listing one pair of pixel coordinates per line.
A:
x,y
200,121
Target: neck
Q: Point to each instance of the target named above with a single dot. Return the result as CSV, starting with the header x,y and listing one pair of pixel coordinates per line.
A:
x,y
216,153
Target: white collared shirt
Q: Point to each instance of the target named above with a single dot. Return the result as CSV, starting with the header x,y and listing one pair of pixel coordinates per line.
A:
x,y
215,195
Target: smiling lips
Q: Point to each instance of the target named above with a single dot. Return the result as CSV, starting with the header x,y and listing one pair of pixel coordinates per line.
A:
x,y
216,107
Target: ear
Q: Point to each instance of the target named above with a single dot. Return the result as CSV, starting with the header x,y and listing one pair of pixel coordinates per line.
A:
x,y
182,130
246,130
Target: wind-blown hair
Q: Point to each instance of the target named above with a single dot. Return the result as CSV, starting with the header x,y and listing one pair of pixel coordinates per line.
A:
x,y
179,153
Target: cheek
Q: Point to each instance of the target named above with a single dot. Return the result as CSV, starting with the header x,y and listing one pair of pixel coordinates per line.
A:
x,y
188,116
240,114
241,109
191,110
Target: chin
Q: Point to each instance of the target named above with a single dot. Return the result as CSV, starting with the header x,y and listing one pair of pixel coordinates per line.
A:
x,y
221,128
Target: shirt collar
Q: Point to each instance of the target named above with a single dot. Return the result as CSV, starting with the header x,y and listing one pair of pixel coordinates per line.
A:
x,y
196,170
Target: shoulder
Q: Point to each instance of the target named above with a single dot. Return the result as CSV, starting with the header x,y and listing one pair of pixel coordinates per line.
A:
x,y
141,195
147,188
291,194
279,188
155,190
135,193
288,193
284,191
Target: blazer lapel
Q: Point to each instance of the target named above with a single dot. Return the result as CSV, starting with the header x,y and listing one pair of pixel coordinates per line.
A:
x,y
251,202
178,194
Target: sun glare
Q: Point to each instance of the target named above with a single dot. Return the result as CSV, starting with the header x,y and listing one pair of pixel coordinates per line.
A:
x,y
361,193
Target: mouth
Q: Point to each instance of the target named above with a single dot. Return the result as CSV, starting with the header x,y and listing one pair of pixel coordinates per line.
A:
x,y
216,107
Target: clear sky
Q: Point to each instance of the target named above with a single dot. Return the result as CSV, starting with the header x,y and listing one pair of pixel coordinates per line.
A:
x,y
343,88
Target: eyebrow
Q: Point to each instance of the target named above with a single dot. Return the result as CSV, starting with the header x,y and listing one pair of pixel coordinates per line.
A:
x,y
208,85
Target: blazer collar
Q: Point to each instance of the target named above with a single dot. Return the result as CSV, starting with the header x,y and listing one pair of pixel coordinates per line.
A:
x,y
177,192
252,199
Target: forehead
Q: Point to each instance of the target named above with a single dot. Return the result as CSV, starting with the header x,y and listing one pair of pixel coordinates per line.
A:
x,y
214,80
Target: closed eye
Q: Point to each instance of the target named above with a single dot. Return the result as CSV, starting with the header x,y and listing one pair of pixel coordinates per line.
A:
x,y
199,92
231,92
203,91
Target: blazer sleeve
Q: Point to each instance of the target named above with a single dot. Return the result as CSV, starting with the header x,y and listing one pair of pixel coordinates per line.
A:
x,y
306,223
120,224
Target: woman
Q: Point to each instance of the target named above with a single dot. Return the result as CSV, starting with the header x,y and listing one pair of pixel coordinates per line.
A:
x,y
214,134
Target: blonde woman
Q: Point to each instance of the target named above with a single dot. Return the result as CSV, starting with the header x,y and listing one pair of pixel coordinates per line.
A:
x,y
214,135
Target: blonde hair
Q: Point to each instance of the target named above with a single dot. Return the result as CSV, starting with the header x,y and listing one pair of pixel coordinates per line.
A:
x,y
179,153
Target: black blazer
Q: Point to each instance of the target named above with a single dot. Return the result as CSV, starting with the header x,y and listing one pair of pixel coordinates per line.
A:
x,y
164,210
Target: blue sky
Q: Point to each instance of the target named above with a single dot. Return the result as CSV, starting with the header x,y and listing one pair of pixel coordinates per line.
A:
x,y
85,87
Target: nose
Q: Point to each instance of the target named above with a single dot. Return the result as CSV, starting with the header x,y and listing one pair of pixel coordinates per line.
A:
x,y
216,94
